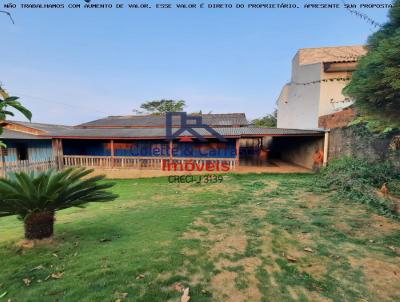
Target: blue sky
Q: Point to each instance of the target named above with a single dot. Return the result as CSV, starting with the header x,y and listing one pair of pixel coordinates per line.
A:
x,y
70,66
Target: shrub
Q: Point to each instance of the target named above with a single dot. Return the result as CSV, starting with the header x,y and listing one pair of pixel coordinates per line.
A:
x,y
359,179
35,197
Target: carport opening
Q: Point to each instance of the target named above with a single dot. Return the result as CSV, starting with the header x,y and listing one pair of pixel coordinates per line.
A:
x,y
270,151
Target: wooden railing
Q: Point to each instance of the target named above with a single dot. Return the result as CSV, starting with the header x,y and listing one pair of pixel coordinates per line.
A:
x,y
136,162
113,162
26,166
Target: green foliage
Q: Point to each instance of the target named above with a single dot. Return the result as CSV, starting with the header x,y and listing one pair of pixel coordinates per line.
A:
x,y
7,101
367,126
359,180
163,106
12,102
26,193
375,85
270,120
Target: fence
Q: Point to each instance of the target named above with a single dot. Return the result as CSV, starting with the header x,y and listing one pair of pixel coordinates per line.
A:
x,y
109,162
129,162
26,166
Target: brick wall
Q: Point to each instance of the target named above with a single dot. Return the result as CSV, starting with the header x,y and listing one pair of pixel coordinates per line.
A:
x,y
349,141
338,119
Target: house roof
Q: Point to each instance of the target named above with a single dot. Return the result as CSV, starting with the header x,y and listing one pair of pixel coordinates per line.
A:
x,y
47,131
216,120
11,134
160,133
40,126
331,54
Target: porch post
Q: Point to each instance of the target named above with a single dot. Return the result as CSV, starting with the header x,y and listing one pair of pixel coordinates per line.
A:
x,y
58,153
326,148
171,147
112,153
237,151
3,163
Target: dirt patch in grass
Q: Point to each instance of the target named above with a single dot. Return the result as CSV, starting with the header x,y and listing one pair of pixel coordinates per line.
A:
x,y
189,252
215,187
225,284
366,227
224,289
292,293
384,225
258,212
249,264
315,297
269,186
316,267
231,244
311,200
305,239
29,244
198,230
226,242
382,277
222,238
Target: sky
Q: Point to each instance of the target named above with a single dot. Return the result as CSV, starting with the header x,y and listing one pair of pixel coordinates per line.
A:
x,y
70,66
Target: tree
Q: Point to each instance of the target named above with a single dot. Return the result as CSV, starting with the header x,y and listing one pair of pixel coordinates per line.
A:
x,y
375,85
270,120
7,102
163,106
35,197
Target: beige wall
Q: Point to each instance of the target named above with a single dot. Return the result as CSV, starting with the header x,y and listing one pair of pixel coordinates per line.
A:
x,y
331,96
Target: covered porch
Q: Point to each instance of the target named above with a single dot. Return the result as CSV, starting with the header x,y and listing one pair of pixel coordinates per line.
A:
x,y
281,150
255,150
152,154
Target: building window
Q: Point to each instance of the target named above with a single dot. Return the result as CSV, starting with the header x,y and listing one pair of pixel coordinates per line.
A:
x,y
22,152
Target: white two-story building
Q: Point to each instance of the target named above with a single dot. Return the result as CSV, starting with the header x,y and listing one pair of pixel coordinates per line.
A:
x,y
315,89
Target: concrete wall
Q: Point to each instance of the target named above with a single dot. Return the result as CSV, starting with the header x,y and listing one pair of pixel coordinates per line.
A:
x,y
352,141
298,150
298,107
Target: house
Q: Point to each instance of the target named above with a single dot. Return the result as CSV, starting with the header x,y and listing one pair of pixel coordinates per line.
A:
x,y
142,142
27,146
315,89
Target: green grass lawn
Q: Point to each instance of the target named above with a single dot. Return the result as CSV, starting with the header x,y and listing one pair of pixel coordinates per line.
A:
x,y
249,238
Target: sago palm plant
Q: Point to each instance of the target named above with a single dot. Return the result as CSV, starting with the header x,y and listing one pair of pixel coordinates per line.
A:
x,y
35,197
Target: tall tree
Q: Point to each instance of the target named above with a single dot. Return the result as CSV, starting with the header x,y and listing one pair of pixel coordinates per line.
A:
x,y
375,85
270,120
163,106
7,102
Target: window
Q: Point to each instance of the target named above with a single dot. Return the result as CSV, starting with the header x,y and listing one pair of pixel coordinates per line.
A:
x,y
22,152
